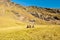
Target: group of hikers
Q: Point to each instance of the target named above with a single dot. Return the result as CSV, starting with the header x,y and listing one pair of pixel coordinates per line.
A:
x,y
31,24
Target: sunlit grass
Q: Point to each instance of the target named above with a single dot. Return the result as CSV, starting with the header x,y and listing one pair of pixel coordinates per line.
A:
x,y
43,32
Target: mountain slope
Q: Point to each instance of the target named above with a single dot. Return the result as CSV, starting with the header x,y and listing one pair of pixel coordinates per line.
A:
x,y
12,14
47,14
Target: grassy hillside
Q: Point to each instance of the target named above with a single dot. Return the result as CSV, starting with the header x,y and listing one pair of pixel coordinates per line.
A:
x,y
12,14
14,19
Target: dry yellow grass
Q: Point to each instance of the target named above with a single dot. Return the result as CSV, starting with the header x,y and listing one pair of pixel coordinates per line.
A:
x,y
11,28
43,32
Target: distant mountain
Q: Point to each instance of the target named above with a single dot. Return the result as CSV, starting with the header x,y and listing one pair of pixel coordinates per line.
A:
x,y
12,14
